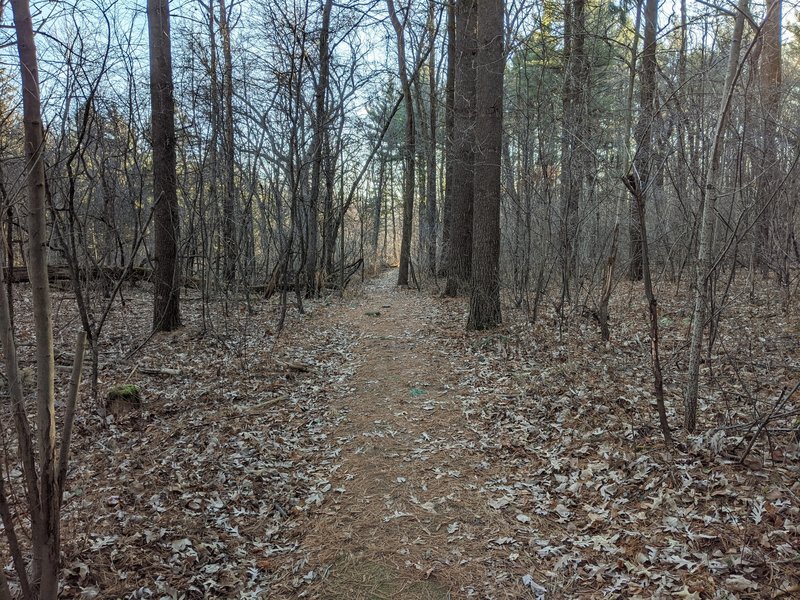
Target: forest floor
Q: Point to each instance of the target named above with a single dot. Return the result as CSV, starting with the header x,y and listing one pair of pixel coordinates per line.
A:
x,y
374,449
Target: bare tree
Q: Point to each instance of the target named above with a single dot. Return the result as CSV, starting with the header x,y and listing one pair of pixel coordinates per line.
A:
x,y
704,249
229,228
409,149
44,482
484,306
166,289
318,144
642,163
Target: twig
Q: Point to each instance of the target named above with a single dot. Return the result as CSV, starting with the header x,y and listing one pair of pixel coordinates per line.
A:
x,y
778,405
13,545
69,415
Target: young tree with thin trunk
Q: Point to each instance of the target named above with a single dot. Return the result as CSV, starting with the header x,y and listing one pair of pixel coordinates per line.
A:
x,y
638,184
713,176
166,279
45,533
229,238
447,211
44,469
484,306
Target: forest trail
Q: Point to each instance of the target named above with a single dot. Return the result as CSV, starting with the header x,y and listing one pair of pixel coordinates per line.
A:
x,y
408,470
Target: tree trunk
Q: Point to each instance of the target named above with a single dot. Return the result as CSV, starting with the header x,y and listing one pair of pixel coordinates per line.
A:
x,y
463,152
229,236
652,309
643,135
707,223
770,76
572,136
166,279
377,207
447,217
484,307
214,110
45,524
431,229
9,241
318,144
409,148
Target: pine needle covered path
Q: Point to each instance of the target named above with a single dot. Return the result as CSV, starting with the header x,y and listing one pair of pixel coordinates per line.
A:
x,y
405,507
498,465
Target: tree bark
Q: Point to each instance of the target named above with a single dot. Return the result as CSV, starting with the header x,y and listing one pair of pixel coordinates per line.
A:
x,y
643,135
447,216
166,288
318,144
46,526
484,307
229,237
430,216
409,147
463,152
572,136
704,250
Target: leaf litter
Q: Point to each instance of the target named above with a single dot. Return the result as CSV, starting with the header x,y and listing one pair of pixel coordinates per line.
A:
x,y
399,455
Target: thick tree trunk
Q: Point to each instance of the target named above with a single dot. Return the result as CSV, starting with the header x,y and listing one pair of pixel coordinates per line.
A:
x,y
463,152
484,307
166,305
318,144
643,135
572,137
409,148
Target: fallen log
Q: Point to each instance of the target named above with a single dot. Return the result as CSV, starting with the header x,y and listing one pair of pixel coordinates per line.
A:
x,y
63,273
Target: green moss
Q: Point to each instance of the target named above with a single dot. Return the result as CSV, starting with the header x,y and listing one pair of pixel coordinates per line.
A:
x,y
124,392
123,399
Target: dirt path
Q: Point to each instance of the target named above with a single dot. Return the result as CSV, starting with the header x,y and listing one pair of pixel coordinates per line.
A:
x,y
403,508
495,465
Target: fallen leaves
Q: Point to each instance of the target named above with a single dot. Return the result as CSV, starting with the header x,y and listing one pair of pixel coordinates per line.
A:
x,y
528,462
